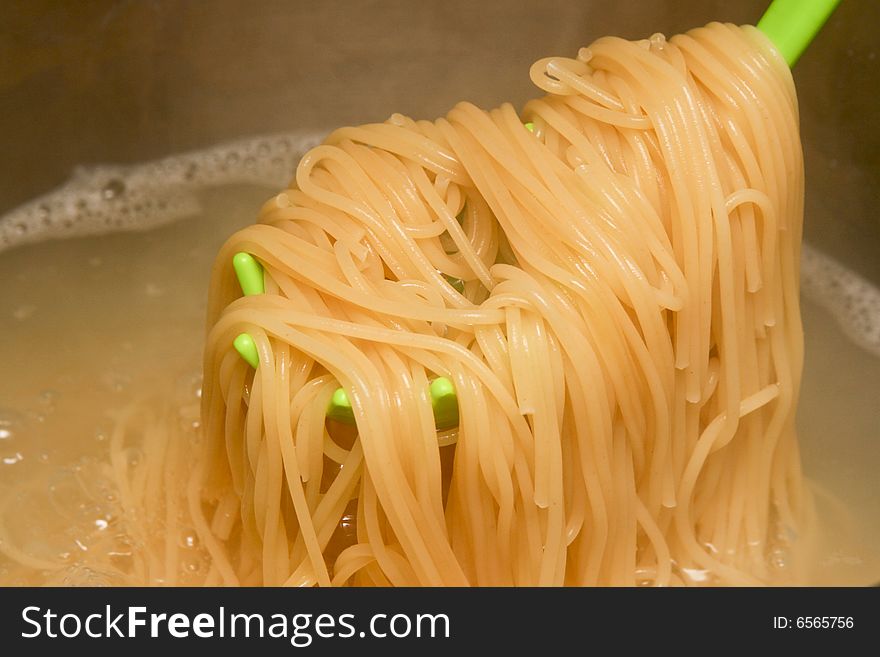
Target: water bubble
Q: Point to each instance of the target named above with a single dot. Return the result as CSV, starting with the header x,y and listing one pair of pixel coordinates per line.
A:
x,y
153,291
49,397
189,386
9,417
80,574
10,422
65,495
12,459
778,558
193,566
39,547
348,524
115,381
188,538
133,456
114,187
696,575
24,312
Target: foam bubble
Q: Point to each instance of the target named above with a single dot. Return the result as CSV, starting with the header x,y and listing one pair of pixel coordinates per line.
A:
x,y
110,198
852,300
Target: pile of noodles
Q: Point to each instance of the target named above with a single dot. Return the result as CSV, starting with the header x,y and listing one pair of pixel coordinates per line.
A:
x,y
626,350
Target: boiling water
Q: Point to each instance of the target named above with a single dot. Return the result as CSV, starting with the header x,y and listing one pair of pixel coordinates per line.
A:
x,y
111,318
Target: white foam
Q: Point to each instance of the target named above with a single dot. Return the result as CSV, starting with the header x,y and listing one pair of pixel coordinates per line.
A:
x,y
110,198
851,299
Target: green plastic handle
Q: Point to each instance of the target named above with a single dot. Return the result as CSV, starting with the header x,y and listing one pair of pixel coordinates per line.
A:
x,y
792,24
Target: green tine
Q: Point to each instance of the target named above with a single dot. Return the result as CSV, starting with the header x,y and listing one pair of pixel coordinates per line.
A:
x,y
456,283
250,277
249,272
529,126
443,401
340,407
247,349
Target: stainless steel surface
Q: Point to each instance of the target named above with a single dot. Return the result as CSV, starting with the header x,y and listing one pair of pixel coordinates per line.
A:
x,y
124,81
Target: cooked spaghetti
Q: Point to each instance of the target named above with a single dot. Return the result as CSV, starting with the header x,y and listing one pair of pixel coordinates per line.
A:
x,y
626,350
613,291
